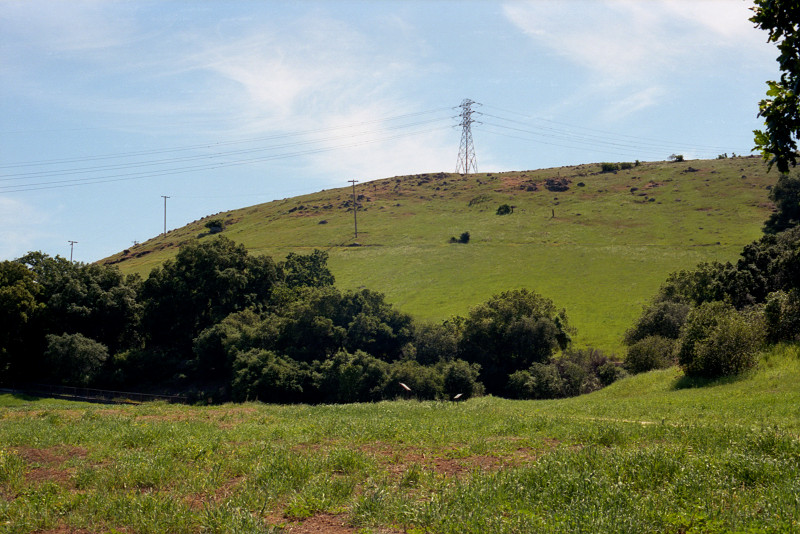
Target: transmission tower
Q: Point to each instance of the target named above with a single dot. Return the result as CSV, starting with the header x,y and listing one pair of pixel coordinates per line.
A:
x,y
466,151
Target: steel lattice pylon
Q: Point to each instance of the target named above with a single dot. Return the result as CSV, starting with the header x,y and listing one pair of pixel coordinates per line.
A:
x,y
467,161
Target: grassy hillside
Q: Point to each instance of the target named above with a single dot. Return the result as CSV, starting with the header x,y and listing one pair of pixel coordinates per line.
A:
x,y
600,248
650,453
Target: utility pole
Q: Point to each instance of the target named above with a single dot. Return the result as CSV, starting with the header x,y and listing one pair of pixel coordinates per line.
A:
x,y
466,151
165,213
355,207
71,246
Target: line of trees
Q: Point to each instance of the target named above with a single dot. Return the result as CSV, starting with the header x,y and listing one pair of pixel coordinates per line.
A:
x,y
714,319
222,323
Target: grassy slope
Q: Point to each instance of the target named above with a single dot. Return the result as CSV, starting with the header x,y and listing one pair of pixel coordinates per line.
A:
x,y
644,455
601,257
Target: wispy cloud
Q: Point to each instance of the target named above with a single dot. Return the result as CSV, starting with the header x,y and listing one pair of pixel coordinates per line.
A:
x,y
638,48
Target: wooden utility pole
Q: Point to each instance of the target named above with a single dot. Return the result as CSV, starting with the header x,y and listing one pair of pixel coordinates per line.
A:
x,y
165,213
355,207
71,245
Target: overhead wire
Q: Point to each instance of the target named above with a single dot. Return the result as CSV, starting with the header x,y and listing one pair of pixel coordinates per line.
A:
x,y
95,169
639,140
202,167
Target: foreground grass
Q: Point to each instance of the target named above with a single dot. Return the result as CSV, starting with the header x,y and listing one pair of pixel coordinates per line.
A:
x,y
652,453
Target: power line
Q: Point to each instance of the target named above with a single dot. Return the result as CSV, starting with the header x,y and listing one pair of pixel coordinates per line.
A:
x,y
598,133
184,148
54,184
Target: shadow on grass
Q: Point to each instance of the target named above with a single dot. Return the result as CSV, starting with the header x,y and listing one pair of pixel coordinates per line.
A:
x,y
691,382
24,397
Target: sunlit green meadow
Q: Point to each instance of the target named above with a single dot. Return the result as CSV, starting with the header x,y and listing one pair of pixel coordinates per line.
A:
x,y
600,250
651,453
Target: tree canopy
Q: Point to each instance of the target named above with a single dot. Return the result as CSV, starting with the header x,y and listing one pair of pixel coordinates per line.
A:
x,y
781,108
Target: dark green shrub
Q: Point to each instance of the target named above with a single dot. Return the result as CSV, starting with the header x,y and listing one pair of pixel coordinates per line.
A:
x,y
610,372
625,166
651,352
464,238
435,342
510,332
782,315
214,226
263,375
74,360
609,167
311,270
719,341
460,377
663,318
504,209
786,196
545,381
356,377
426,382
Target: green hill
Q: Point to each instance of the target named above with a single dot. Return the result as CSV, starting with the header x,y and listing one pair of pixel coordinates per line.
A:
x,y
598,243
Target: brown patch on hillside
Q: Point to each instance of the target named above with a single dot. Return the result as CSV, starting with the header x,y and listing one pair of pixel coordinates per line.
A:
x,y
452,461
328,524
47,465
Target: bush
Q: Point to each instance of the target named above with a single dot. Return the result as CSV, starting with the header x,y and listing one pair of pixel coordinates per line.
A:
x,y
214,226
504,209
461,377
719,341
436,342
463,239
610,372
541,381
782,315
663,319
263,375
651,352
510,332
426,382
356,377
74,360
609,167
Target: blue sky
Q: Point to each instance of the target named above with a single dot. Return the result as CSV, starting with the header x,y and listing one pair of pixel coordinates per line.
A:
x,y
105,106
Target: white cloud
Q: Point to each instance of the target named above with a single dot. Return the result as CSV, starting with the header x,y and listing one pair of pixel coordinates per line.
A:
x,y
639,48
626,38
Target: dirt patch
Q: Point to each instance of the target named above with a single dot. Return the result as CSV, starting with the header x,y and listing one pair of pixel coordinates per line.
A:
x,y
451,461
327,524
198,501
46,465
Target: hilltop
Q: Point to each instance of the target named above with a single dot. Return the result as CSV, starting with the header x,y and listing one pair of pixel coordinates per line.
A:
x,y
598,243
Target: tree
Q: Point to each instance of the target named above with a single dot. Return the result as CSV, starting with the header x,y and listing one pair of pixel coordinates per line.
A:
x,y
203,284
510,332
94,300
307,270
781,108
719,341
786,196
74,360
19,307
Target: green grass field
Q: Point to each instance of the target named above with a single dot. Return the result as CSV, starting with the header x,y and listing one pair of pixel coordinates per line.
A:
x,y
650,453
600,249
